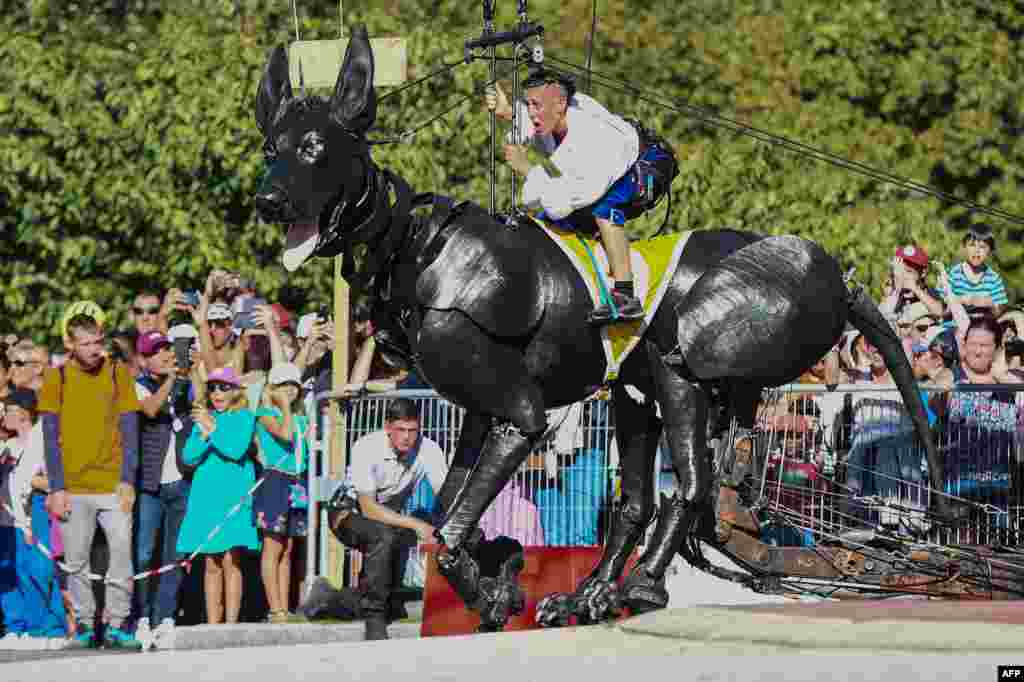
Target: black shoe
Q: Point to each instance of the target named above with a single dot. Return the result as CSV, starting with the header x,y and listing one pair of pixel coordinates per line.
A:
x,y
627,309
376,628
397,611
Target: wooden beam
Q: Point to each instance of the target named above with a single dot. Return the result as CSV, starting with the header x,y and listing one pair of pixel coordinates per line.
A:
x,y
339,431
321,61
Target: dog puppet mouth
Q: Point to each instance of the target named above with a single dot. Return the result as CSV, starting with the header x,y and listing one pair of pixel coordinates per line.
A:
x,y
300,244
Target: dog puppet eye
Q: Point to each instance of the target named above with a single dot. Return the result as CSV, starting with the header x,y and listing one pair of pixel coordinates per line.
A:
x,y
312,147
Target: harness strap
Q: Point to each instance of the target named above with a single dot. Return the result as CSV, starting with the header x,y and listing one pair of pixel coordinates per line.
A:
x,y
392,225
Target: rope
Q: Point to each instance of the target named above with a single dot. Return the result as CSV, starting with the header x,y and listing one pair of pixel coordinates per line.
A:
x,y
295,15
715,120
446,68
409,133
184,563
590,47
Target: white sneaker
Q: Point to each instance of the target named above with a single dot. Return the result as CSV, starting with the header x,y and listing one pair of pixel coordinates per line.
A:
x,y
13,641
164,635
55,643
143,634
30,643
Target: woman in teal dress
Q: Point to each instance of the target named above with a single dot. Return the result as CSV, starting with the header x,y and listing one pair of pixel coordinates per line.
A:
x,y
221,451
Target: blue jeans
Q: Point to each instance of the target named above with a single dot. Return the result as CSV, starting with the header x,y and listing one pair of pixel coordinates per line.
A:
x,y
165,510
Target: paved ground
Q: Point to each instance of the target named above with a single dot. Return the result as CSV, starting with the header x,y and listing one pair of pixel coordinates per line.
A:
x,y
595,653
741,637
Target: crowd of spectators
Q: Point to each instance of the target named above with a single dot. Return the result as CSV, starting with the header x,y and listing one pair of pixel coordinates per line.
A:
x,y
188,435
962,338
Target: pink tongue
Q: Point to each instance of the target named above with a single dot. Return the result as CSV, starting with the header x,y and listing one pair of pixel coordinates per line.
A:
x,y
299,244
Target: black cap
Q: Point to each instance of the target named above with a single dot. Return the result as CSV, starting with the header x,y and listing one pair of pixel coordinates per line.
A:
x,y
24,398
542,76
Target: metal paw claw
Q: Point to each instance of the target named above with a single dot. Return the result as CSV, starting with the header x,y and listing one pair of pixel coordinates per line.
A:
x,y
554,610
499,601
597,601
642,593
462,572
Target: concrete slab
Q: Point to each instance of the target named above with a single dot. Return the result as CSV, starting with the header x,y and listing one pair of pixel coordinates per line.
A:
x,y
263,634
799,627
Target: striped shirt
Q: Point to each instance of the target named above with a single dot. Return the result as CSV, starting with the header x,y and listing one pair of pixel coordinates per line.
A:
x,y
991,284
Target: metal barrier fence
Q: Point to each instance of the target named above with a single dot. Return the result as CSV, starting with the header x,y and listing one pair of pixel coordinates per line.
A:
x,y
563,495
836,460
849,458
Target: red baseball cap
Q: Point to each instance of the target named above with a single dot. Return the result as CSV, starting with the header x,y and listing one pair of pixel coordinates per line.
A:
x,y
913,255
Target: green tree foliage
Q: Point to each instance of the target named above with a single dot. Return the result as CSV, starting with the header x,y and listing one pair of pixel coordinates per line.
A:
x,y
129,154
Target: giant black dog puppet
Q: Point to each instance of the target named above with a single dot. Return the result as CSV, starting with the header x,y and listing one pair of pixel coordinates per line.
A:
x,y
495,319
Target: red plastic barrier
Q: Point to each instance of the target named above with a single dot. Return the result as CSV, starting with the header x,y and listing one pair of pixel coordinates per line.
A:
x,y
548,569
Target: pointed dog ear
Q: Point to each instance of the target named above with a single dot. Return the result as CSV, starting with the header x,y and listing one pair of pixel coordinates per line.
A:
x,y
274,90
354,102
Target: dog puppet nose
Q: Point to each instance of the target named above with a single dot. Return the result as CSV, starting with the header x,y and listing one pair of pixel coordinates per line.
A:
x,y
271,204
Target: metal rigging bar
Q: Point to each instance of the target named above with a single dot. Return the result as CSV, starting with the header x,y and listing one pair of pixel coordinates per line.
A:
x,y
489,31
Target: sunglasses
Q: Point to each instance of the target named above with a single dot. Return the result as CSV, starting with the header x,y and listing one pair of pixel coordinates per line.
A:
x,y
25,363
220,387
148,310
223,324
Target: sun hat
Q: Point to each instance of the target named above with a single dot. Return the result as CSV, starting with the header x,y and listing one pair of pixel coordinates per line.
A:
x,y
182,331
284,373
914,312
224,375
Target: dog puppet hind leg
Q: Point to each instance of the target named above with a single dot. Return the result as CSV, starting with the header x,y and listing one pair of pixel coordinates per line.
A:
x,y
596,598
684,408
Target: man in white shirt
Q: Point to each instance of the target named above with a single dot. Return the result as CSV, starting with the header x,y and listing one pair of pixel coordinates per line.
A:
x,y
386,468
593,152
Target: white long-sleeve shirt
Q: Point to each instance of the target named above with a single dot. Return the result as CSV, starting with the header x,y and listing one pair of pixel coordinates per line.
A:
x,y
598,149
30,462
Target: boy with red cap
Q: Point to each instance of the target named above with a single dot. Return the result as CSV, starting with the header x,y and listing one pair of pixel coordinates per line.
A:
x,y
907,283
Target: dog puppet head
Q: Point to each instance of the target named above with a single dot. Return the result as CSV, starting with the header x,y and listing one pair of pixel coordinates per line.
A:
x,y
319,168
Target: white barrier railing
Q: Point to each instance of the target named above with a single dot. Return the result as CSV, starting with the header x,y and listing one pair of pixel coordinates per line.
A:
x,y
837,458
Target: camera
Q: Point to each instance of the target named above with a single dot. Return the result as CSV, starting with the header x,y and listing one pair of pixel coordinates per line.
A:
x,y
1014,348
181,353
190,298
244,319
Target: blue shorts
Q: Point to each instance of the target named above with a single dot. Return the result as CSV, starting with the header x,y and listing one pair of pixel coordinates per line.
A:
x,y
611,204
